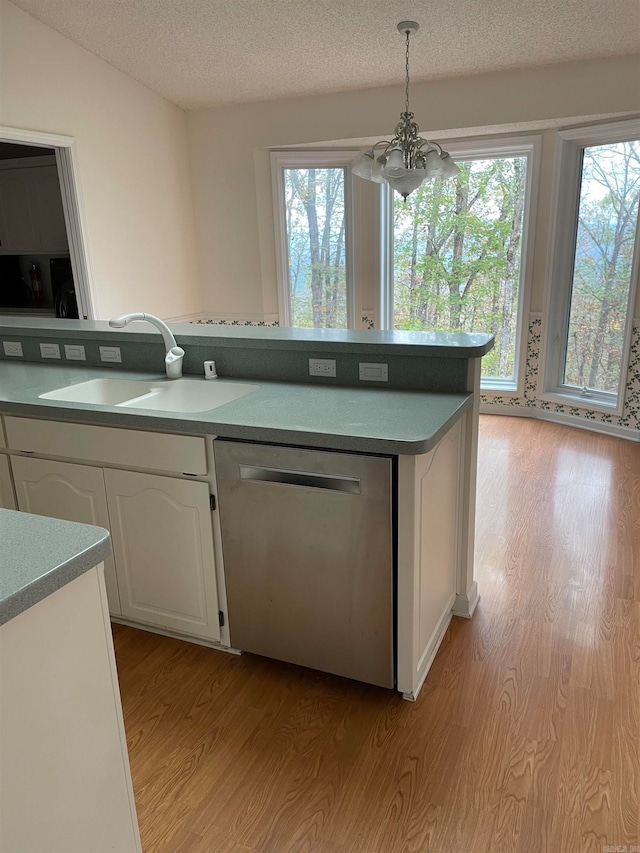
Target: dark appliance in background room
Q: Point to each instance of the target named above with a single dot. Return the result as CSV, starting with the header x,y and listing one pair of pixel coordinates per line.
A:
x,y
37,284
14,292
63,288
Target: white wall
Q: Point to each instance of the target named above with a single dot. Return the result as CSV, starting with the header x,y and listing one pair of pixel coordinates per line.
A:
x,y
134,172
230,162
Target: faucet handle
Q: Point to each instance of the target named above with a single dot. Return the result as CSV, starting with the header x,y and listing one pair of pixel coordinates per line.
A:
x,y
173,362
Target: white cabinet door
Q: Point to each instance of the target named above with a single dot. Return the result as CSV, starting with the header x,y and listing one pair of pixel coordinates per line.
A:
x,y
7,499
163,547
67,491
49,211
31,212
18,226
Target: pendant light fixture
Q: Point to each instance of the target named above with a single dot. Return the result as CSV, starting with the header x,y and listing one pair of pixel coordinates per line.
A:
x,y
407,160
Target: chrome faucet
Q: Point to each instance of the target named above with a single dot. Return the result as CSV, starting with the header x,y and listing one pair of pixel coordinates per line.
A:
x,y
175,354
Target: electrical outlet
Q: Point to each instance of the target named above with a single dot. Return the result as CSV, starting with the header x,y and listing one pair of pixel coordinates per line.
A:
x,y
111,354
74,352
373,371
50,350
12,348
322,367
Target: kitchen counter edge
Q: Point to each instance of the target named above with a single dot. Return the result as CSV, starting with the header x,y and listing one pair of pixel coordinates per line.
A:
x,y
445,409
40,555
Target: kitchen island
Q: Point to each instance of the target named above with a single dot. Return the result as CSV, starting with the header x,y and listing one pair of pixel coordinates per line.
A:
x,y
423,417
65,785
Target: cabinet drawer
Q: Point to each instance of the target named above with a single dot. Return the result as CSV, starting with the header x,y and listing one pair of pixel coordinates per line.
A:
x,y
128,448
2,441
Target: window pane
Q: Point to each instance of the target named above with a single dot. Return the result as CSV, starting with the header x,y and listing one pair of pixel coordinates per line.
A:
x,y
457,256
607,217
315,230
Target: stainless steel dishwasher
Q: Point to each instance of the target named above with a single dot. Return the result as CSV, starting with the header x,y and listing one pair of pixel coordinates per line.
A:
x,y
308,556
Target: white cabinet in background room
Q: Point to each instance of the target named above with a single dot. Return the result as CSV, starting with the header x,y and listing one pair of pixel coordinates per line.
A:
x,y
163,546
70,492
49,210
31,212
18,229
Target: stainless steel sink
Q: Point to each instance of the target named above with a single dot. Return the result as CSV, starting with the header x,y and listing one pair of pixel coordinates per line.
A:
x,y
175,395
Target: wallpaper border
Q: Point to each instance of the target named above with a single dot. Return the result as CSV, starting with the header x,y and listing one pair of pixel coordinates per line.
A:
x,y
629,420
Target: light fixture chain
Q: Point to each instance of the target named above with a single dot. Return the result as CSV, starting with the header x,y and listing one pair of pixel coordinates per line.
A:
x,y
406,108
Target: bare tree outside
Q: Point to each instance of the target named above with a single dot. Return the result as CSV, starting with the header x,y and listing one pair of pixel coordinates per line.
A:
x,y
603,261
315,225
457,256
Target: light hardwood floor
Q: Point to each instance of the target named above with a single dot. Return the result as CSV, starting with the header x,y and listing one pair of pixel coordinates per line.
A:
x,y
526,735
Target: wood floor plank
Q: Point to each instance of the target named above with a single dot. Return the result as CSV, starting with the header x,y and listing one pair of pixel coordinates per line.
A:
x,y
525,738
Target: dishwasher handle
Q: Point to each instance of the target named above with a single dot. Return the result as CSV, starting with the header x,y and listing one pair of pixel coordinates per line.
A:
x,y
300,478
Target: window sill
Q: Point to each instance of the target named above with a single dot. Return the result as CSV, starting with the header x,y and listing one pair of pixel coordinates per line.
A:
x,y
499,386
576,401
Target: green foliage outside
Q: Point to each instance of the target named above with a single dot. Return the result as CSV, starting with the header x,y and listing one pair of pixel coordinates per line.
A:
x,y
315,223
603,261
457,255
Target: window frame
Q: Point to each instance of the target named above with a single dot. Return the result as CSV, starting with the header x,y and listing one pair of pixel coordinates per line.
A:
x,y
482,148
312,159
563,229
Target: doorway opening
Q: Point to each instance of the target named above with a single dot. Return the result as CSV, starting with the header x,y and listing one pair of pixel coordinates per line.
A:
x,y
43,260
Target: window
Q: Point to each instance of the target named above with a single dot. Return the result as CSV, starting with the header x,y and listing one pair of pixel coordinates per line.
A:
x,y
456,255
594,265
459,255
312,197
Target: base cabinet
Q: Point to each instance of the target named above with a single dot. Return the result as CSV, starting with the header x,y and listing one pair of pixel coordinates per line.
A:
x,y
7,498
70,492
162,542
163,568
65,783
166,571
430,520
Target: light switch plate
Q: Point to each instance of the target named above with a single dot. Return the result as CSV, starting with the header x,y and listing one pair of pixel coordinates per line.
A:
x,y
74,352
50,350
111,354
373,372
12,348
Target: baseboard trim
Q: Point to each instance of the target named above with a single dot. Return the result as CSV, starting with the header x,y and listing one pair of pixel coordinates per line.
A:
x,y
464,605
198,641
560,418
184,318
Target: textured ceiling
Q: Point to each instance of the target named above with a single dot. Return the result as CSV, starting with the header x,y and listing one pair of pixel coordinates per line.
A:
x,y
200,53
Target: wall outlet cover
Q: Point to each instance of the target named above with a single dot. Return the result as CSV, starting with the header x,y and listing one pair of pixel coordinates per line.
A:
x,y
13,348
322,367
